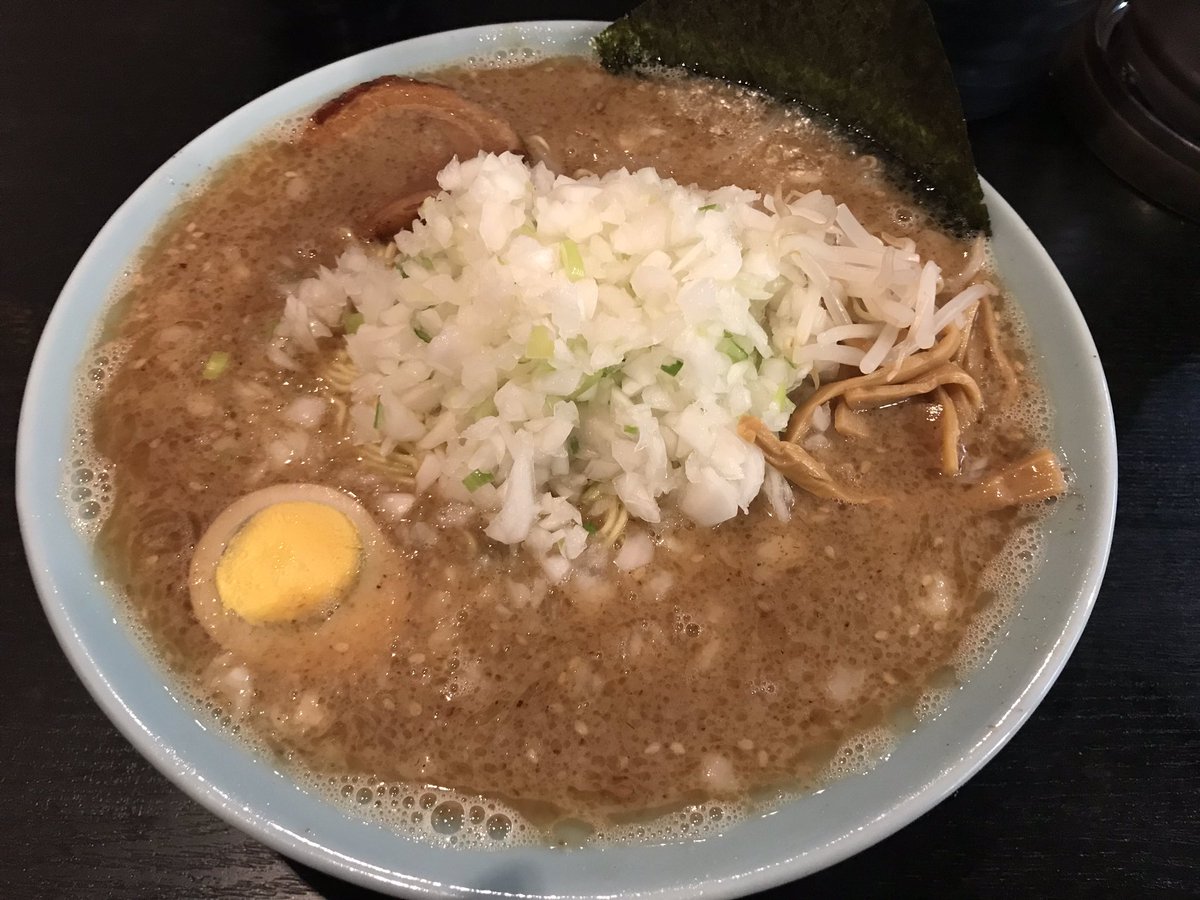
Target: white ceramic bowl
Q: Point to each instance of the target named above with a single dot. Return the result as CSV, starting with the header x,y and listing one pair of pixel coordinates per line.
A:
x,y
796,839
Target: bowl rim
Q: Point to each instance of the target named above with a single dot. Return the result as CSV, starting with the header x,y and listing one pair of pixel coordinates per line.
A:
x,y
153,726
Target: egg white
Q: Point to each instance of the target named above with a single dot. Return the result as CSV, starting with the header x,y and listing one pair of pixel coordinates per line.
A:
x,y
351,633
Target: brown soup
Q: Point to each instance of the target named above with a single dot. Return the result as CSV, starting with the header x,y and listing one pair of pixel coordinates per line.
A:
x,y
738,663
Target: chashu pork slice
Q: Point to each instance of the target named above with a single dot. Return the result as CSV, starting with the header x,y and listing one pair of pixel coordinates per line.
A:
x,y
424,125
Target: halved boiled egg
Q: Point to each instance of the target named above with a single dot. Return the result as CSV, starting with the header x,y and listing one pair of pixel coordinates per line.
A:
x,y
297,575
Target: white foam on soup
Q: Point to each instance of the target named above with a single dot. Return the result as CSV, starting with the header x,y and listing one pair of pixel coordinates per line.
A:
x,y
86,489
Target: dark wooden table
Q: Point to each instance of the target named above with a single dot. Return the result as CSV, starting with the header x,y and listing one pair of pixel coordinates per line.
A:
x,y
1099,794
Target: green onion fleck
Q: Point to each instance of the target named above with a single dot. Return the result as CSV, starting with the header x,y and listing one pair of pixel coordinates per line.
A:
x,y
673,368
215,365
591,527
710,207
540,344
781,396
351,321
585,384
572,259
730,348
422,333
631,430
378,414
482,411
477,479
590,381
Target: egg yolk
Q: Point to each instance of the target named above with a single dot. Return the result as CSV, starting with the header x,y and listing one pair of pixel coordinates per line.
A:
x,y
288,562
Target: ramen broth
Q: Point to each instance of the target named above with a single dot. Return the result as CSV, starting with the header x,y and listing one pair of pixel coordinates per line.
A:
x,y
739,660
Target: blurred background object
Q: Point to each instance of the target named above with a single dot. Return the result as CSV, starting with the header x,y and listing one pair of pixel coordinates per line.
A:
x,y
1000,49
1129,80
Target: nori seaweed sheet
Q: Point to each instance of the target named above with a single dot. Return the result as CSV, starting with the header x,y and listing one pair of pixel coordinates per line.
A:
x,y
876,68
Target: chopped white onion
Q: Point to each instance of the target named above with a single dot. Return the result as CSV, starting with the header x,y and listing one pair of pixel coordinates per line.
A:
x,y
306,411
821,418
637,550
779,494
536,337
395,506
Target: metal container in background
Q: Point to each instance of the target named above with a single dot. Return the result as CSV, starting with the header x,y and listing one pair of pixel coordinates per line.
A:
x,y
1129,81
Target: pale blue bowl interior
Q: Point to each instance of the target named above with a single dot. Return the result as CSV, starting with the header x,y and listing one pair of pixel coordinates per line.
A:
x,y
798,838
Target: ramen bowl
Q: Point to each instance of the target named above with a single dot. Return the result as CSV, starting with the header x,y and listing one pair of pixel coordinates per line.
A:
x,y
247,788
